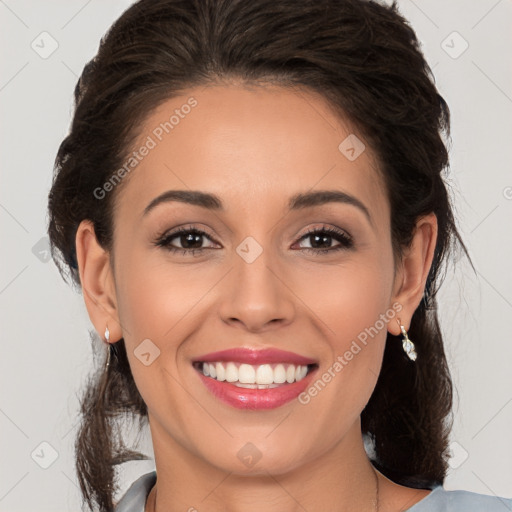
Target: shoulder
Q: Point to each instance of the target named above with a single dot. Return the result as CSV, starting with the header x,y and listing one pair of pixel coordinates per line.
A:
x,y
134,499
443,500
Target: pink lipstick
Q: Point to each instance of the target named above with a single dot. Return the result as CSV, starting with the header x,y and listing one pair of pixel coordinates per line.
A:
x,y
255,379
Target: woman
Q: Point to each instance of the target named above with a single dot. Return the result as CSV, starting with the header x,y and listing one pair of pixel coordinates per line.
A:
x,y
251,198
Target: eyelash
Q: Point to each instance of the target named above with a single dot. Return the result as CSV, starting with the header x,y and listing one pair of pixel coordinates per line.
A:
x,y
346,241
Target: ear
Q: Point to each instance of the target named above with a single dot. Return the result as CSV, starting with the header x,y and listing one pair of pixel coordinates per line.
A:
x,y
412,273
97,280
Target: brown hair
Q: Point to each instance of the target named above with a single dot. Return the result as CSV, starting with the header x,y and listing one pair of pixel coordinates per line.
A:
x,y
361,56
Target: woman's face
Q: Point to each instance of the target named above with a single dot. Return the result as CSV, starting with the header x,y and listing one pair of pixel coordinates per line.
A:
x,y
252,276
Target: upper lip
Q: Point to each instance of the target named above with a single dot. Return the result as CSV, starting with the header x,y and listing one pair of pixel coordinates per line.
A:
x,y
255,356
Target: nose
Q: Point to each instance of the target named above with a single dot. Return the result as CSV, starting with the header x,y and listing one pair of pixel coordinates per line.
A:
x,y
256,296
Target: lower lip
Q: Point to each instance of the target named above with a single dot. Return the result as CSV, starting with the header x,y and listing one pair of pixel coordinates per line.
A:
x,y
256,399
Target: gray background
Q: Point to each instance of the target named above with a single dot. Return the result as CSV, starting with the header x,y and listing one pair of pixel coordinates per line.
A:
x,y
46,351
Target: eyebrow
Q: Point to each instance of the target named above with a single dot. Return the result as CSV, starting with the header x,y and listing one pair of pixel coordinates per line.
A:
x,y
296,202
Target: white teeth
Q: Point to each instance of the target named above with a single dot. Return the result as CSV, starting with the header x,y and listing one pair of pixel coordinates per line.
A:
x,y
246,374
231,372
280,374
221,371
265,374
255,386
255,376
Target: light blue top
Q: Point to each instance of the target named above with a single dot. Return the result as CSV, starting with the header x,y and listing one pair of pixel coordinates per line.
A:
x,y
439,500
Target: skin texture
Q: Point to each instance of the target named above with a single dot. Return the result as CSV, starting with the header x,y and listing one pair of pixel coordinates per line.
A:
x,y
255,147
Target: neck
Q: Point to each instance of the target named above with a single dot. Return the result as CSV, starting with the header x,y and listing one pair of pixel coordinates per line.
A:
x,y
340,479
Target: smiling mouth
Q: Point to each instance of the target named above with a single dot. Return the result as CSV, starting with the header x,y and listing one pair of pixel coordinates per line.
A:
x,y
262,376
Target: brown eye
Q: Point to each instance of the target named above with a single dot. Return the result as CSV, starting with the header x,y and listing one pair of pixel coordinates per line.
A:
x,y
185,240
320,240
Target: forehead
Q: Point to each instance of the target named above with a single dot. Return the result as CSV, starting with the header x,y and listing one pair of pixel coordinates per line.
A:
x,y
249,144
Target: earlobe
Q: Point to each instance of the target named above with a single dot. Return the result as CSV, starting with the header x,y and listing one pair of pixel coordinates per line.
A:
x,y
97,281
414,269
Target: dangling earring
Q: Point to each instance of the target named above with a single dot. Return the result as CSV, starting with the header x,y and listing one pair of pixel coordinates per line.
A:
x,y
407,344
107,338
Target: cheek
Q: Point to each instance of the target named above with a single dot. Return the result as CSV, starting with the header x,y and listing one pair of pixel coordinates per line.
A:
x,y
351,300
154,297
348,298
155,304
162,303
